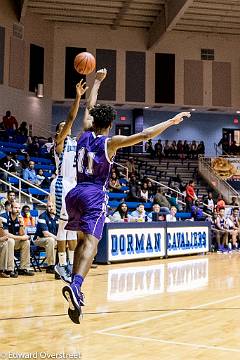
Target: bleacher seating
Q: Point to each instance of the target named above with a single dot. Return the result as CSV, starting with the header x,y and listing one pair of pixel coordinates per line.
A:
x,y
117,196
35,192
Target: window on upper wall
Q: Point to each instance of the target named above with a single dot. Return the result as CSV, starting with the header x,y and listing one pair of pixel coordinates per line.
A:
x,y
207,54
72,77
165,78
36,68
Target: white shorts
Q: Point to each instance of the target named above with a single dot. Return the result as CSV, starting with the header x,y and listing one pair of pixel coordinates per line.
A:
x,y
58,190
63,234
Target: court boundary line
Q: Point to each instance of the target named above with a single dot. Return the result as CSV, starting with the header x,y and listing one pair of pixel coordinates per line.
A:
x,y
170,313
178,343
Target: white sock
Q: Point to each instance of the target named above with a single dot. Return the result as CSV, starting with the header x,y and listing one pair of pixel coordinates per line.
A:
x,y
62,258
70,256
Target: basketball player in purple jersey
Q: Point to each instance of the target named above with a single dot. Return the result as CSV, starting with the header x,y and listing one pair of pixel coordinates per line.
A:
x,y
65,154
86,203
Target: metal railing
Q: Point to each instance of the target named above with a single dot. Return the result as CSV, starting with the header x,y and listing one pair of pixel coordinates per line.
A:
x,y
222,186
124,167
165,186
177,192
19,189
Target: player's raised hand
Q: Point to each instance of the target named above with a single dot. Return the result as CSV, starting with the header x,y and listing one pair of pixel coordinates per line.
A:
x,y
179,117
81,88
101,74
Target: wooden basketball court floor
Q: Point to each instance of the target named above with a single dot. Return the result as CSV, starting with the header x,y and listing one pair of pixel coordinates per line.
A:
x,y
180,308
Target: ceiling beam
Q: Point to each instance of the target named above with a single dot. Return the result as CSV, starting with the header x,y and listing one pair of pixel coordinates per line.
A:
x,y
167,19
123,10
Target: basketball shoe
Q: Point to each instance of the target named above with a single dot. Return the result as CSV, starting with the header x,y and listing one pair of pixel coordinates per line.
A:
x,y
75,300
64,272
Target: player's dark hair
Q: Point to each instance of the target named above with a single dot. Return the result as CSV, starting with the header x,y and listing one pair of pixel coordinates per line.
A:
x,y
103,116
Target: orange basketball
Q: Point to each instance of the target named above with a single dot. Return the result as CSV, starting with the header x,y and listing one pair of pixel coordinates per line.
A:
x,y
84,63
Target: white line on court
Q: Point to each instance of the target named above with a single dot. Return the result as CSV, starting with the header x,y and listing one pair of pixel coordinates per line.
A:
x,y
199,346
171,313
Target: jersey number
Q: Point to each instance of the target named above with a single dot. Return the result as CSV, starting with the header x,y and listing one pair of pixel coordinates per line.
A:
x,y
90,156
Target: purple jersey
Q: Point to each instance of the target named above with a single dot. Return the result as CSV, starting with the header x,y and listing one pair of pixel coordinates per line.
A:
x,y
93,164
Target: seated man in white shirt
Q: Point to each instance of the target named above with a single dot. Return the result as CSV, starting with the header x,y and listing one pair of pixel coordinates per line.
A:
x,y
172,216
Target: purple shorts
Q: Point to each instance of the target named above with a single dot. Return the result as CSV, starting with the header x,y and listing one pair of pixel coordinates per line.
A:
x,y
86,207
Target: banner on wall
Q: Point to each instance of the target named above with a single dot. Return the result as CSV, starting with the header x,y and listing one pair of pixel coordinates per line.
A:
x,y
136,243
227,168
187,240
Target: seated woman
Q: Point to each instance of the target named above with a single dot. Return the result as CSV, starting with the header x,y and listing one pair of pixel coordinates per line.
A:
x,y
144,192
114,183
121,214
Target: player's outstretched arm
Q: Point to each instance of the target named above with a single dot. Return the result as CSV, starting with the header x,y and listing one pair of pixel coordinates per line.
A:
x,y
91,102
119,141
81,88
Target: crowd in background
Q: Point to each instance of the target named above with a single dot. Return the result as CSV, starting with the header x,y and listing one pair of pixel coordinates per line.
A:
x,y
175,149
164,204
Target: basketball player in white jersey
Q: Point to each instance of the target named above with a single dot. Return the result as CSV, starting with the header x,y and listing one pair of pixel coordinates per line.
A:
x,y
65,154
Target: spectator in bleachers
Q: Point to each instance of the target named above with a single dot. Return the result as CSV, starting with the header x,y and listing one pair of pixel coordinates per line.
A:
x,y
46,235
151,190
25,161
233,149
166,149
208,203
173,150
28,220
114,184
220,203
193,150
23,130
186,149
173,200
14,228
180,151
34,147
149,148
161,200
10,123
29,174
11,196
155,214
17,164
139,214
131,166
197,212
201,148
8,165
3,252
190,195
121,214
48,145
224,142
134,191
172,216
158,149
40,176
144,192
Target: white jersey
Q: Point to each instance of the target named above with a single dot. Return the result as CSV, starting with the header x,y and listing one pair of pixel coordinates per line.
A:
x,y
66,161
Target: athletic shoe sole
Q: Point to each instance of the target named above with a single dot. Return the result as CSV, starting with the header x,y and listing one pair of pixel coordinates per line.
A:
x,y
74,311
